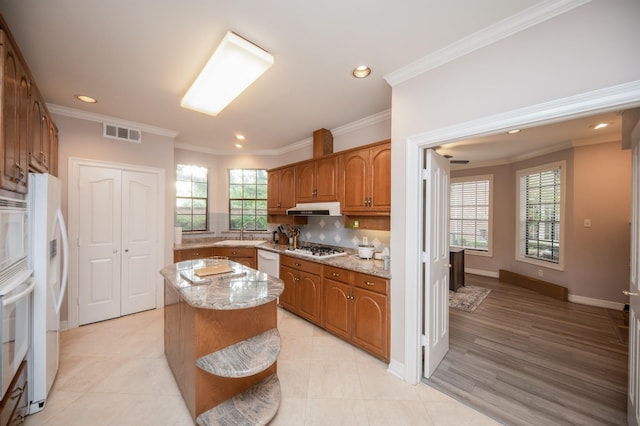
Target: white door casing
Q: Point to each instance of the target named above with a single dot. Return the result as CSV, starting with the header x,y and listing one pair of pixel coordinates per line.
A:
x,y
633,403
139,263
99,243
435,259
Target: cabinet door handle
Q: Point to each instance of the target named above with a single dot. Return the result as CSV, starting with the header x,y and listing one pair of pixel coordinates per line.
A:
x,y
196,254
296,278
20,173
335,274
17,393
369,283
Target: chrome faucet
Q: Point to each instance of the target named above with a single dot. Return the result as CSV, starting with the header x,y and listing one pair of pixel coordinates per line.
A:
x,y
242,231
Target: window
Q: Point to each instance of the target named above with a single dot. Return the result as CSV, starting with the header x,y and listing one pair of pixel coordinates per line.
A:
x,y
540,215
470,213
248,199
191,197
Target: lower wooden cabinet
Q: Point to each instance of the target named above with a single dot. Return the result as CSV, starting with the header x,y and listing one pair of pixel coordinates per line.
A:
x,y
356,309
302,293
190,254
14,405
243,255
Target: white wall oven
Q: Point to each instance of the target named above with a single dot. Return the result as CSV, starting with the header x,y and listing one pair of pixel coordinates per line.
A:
x,y
16,286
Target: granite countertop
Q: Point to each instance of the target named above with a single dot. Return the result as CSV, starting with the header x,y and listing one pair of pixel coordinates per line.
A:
x,y
351,261
242,288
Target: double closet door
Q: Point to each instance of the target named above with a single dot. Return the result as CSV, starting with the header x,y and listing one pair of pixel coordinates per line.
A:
x,y
117,242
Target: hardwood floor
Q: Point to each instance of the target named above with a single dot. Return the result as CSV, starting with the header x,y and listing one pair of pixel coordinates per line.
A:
x,y
526,359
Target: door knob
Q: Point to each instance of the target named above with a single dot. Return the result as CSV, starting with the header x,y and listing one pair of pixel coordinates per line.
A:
x,y
630,293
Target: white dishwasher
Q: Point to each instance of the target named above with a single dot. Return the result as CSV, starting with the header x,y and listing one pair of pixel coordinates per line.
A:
x,y
269,262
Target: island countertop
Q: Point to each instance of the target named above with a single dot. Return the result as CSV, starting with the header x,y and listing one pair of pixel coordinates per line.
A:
x,y
241,288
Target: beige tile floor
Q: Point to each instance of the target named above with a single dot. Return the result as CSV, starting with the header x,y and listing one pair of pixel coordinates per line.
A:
x,y
115,373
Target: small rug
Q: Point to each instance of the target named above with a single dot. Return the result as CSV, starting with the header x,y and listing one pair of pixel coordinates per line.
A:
x,y
467,298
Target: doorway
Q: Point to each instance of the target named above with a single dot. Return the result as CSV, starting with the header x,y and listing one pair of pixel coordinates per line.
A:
x,y
606,100
116,213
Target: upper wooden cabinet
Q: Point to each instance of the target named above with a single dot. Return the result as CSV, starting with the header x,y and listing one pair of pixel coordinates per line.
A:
x,y
41,137
317,180
28,135
281,190
366,179
14,118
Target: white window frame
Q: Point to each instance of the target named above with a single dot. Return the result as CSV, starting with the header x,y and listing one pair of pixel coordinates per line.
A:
x,y
489,251
563,196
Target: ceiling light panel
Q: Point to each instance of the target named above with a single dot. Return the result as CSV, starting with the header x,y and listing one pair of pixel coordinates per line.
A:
x,y
233,67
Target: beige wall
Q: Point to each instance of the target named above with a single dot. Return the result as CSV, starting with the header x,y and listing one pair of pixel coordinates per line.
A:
x,y
598,187
83,139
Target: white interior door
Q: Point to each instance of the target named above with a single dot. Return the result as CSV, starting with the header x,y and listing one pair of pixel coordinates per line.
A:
x,y
139,241
435,260
633,404
99,241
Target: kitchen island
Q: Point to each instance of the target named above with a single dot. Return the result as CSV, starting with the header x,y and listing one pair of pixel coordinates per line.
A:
x,y
221,340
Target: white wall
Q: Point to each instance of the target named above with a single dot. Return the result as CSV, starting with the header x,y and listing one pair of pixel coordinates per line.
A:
x,y
589,48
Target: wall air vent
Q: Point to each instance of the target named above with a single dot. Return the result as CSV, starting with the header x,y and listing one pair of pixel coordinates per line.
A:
x,y
122,133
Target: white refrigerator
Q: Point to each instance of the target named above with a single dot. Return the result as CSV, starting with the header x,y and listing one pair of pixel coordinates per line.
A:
x,y
48,258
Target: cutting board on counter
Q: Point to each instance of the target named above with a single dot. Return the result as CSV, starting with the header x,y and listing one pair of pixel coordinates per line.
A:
x,y
212,270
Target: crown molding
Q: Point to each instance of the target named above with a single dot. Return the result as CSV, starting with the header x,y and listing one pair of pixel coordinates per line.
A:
x,y
99,118
507,27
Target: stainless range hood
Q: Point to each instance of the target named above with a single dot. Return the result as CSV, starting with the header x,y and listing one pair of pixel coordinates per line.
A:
x,y
315,209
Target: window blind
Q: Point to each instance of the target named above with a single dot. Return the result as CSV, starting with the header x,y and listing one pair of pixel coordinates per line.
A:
x,y
469,211
540,220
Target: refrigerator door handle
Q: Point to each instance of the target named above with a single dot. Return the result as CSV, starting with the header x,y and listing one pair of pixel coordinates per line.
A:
x,y
65,253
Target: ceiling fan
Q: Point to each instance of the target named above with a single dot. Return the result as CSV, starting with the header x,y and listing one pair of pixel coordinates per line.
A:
x,y
449,157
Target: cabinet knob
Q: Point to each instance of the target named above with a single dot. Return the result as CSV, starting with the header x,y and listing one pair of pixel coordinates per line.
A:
x,y
369,283
296,278
115,251
298,264
335,274
234,252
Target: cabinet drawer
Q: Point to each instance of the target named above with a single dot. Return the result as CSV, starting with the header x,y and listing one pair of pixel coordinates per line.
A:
x,y
194,253
338,274
13,406
370,282
232,252
303,265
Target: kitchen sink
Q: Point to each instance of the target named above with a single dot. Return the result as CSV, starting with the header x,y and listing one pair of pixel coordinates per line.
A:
x,y
239,243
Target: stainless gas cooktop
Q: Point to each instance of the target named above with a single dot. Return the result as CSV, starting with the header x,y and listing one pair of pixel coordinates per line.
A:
x,y
319,252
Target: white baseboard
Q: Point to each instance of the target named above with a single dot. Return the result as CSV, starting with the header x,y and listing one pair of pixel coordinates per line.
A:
x,y
596,302
481,273
64,325
397,369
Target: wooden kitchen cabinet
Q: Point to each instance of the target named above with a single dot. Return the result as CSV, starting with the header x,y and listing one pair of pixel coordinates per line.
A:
x,y
40,136
366,179
243,255
280,190
317,180
302,293
356,308
14,117
28,135
14,405
192,253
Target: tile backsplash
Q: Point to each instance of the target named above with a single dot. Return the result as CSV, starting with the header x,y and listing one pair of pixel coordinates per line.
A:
x,y
330,230
327,230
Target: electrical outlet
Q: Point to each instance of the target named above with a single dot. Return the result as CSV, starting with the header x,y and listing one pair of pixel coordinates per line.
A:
x,y
540,272
587,223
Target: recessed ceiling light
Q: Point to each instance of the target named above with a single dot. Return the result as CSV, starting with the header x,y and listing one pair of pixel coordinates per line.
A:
x,y
239,137
362,71
239,145
513,131
86,99
600,126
